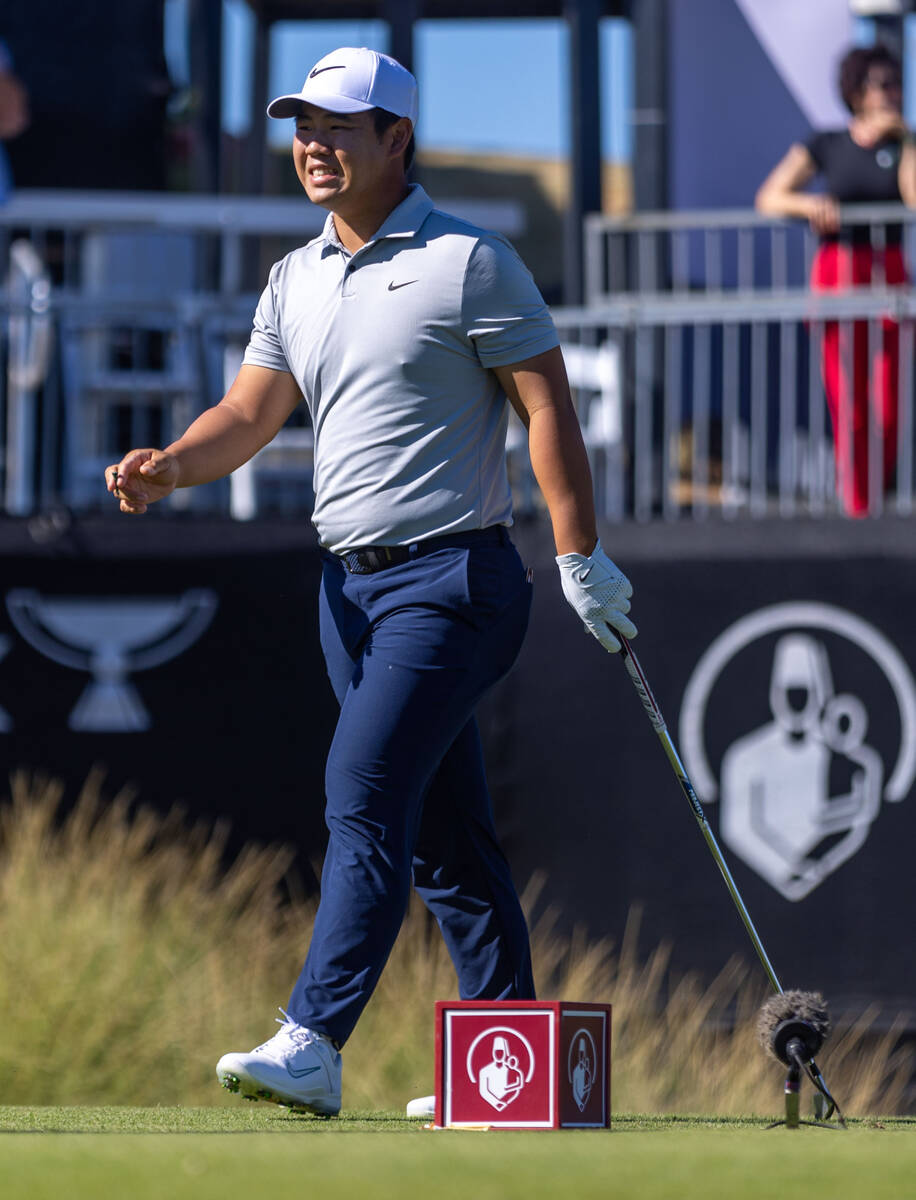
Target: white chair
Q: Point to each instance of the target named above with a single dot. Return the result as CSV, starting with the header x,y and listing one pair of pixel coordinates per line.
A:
x,y
131,362
594,373
31,338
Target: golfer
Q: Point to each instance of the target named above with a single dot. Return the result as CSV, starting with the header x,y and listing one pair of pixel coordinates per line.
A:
x,y
405,330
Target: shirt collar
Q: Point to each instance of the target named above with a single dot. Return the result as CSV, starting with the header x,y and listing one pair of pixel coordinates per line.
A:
x,y
406,219
403,221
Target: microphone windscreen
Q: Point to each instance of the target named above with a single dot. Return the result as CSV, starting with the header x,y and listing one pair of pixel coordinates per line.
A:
x,y
810,1007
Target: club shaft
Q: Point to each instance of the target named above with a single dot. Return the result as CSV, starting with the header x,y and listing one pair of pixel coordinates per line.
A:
x,y
654,714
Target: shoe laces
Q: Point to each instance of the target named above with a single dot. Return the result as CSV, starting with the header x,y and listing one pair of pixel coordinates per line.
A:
x,y
290,1035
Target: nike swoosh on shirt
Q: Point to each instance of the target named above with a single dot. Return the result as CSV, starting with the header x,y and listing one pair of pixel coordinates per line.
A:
x,y
393,287
317,70
302,1074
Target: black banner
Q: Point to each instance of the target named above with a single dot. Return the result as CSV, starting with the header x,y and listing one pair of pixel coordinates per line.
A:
x,y
182,656
780,654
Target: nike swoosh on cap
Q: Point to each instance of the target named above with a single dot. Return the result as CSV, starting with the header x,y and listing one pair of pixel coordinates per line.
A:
x,y
393,287
302,1074
317,70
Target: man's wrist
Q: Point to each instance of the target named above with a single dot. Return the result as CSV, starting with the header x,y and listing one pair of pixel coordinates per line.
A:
x,y
586,546
174,455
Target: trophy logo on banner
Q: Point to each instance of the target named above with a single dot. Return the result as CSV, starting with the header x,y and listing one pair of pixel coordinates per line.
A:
x,y
111,638
6,721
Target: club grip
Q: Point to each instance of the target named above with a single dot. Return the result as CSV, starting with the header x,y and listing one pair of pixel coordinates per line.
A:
x,y
649,703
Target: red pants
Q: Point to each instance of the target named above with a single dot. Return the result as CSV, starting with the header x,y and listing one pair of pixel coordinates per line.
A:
x,y
850,379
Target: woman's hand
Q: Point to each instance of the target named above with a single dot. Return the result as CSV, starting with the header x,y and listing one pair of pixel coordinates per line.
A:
x,y
823,214
878,126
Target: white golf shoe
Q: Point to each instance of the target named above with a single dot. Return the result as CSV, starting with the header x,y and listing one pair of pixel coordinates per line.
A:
x,y
297,1067
423,1106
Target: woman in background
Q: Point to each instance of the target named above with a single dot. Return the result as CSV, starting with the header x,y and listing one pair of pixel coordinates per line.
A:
x,y
14,115
871,161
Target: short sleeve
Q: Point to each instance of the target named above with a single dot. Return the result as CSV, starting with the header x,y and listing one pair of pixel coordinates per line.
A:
x,y
264,346
816,147
503,312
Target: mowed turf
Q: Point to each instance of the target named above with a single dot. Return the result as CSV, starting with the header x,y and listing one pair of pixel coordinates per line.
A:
x,y
201,1153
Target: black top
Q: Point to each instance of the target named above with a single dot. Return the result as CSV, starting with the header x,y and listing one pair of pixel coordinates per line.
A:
x,y
858,175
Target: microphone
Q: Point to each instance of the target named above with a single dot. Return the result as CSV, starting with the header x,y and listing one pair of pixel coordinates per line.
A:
x,y
792,1026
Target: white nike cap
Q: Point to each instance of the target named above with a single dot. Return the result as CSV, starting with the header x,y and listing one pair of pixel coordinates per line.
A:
x,y
351,80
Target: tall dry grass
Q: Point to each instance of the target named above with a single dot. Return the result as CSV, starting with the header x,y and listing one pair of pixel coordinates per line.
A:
x,y
130,959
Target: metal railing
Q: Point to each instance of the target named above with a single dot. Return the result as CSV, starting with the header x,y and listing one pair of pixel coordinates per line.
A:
x,y
697,392
725,351
719,250
722,406
207,243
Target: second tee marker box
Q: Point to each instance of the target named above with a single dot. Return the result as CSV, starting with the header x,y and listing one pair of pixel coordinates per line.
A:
x,y
523,1064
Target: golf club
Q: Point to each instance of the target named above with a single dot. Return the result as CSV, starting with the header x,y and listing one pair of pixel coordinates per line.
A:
x,y
800,1046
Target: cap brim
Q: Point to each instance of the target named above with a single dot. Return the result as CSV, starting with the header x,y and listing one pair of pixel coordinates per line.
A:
x,y
291,106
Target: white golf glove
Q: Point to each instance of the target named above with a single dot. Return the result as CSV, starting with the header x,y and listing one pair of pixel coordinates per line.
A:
x,y
600,593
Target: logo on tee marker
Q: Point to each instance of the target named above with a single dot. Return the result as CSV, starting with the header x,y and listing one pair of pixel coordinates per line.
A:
x,y
393,287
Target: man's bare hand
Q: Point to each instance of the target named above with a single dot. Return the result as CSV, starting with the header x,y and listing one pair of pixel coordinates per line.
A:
x,y
141,478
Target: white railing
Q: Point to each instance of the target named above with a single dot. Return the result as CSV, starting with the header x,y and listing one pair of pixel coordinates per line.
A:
x,y
718,250
724,353
29,343
723,406
212,233
698,385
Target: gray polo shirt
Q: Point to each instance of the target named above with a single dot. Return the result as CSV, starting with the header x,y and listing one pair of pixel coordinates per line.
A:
x,y
391,347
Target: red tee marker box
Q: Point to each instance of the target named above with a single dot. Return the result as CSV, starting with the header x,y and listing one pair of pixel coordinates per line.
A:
x,y
523,1064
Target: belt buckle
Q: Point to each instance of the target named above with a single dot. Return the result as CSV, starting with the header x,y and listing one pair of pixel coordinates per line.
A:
x,y
366,560
352,563
378,558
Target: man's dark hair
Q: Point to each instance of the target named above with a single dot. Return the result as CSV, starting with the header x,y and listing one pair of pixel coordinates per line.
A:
x,y
384,120
854,69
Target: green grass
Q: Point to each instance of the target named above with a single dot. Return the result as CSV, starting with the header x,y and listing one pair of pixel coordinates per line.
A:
x,y
216,1152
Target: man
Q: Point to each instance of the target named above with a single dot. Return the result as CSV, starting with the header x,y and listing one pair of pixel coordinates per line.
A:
x,y
405,330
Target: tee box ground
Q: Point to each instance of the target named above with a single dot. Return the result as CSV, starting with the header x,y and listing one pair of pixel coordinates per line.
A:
x,y
523,1064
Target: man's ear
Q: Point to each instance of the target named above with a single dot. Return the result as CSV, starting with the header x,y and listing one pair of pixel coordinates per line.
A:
x,y
399,135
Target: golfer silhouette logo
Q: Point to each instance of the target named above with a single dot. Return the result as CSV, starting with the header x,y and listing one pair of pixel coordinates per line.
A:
x,y
779,809
500,1062
500,1081
580,1067
800,792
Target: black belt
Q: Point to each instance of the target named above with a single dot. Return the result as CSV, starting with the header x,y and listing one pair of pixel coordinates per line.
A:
x,y
366,560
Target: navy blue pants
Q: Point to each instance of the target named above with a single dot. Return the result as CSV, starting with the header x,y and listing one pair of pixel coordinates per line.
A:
x,y
410,650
